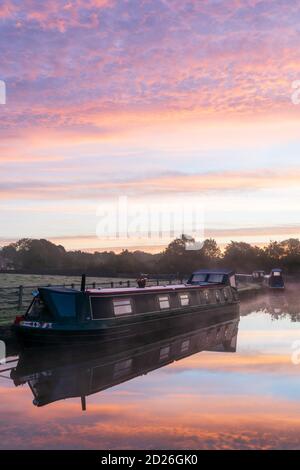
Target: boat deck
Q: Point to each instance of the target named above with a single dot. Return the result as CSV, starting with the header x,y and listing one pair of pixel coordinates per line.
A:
x,y
165,288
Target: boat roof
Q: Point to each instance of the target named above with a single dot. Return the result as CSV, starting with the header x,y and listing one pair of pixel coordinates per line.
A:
x,y
130,290
60,290
214,271
149,289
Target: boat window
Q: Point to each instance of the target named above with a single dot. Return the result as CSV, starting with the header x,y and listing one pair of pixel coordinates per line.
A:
x,y
37,309
225,294
232,281
184,299
122,306
199,278
215,278
164,301
164,352
122,368
185,345
276,273
65,304
206,296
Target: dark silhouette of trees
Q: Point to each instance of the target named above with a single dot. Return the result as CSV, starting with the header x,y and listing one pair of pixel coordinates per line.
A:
x,y
242,256
42,256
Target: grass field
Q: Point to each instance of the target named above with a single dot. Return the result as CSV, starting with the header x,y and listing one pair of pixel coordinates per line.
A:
x,y
9,289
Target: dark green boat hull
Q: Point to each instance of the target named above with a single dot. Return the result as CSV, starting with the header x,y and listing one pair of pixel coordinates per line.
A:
x,y
96,331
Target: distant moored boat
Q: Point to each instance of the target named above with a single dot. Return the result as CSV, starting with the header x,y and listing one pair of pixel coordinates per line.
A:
x,y
275,280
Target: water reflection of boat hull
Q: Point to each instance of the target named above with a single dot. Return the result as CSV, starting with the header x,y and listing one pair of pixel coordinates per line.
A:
x,y
54,376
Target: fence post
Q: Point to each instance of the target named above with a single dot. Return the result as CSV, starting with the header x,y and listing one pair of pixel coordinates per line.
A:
x,y
128,283
112,284
20,297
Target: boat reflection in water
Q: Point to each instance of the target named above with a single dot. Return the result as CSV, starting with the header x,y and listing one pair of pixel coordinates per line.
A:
x,y
285,304
54,376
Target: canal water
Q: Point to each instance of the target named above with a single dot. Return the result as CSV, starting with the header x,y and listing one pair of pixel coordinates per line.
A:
x,y
232,382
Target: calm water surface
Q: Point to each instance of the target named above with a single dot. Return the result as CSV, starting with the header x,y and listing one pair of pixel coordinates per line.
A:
x,y
241,392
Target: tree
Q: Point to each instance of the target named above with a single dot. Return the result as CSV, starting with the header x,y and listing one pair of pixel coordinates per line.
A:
x,y
242,256
211,250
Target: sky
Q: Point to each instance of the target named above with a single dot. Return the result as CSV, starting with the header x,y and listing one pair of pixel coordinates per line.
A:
x,y
153,101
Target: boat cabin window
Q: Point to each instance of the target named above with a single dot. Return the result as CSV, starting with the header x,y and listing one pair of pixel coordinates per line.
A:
x,y
232,281
218,296
164,301
277,273
185,345
65,304
206,296
184,299
164,352
198,278
122,306
225,294
38,309
215,278
122,368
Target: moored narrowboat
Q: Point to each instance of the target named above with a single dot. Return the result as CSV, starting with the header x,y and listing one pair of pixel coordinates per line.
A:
x,y
62,316
275,280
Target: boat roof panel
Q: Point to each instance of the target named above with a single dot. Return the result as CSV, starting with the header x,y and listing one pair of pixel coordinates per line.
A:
x,y
141,290
214,271
60,290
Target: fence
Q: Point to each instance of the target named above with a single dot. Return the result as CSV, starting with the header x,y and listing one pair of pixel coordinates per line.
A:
x,y
15,300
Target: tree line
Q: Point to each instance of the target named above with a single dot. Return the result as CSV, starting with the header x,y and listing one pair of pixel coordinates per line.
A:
x,y
42,256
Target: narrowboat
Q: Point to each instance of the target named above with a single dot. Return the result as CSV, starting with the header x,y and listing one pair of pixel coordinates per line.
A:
x,y
62,316
54,376
275,280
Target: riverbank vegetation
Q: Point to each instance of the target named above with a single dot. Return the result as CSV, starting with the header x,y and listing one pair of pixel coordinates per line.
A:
x,y
42,256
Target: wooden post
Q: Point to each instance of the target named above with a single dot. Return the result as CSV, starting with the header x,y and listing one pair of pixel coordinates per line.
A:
x,y
128,283
20,299
112,284
94,285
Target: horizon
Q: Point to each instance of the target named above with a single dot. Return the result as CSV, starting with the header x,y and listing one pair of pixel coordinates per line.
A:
x,y
156,249
149,101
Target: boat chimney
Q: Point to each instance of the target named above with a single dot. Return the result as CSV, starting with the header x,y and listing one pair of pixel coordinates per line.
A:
x,y
83,279
83,403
